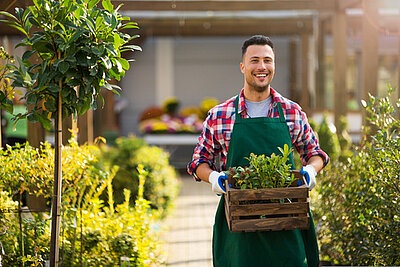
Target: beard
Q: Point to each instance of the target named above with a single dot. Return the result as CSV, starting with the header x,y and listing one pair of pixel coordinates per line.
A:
x,y
257,88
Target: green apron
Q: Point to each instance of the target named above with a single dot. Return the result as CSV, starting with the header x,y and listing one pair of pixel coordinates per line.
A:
x,y
269,248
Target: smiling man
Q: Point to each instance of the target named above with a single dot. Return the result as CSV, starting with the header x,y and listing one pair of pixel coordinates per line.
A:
x,y
258,120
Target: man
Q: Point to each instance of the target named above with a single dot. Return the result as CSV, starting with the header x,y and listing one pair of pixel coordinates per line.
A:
x,y
258,120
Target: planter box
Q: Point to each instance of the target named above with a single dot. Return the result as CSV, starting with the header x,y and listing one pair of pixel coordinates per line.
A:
x,y
270,209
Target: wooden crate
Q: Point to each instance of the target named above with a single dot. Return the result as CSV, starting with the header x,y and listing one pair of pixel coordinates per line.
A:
x,y
250,210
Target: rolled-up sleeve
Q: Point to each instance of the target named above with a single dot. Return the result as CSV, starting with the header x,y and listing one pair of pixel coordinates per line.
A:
x,y
206,149
306,142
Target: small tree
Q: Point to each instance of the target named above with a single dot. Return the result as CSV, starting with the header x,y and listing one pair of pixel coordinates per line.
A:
x,y
78,47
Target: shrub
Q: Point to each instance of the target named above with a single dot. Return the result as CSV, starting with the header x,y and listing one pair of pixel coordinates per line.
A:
x,y
84,216
161,186
328,139
357,213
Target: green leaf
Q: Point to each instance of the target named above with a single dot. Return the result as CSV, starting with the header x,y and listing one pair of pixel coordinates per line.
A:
x,y
31,99
42,118
133,47
92,3
100,97
42,46
124,63
50,104
76,35
19,12
98,50
78,13
114,22
93,104
27,54
117,40
82,108
8,15
63,67
107,5
32,117
54,88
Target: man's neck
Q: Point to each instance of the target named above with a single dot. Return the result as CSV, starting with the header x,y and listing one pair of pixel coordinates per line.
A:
x,y
255,96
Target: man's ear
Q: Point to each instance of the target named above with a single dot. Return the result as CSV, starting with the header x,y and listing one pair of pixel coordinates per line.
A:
x,y
241,67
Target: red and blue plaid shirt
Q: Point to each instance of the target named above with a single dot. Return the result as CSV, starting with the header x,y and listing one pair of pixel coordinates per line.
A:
x,y
217,131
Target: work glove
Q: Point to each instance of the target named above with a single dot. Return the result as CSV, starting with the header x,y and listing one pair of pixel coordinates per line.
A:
x,y
309,173
217,180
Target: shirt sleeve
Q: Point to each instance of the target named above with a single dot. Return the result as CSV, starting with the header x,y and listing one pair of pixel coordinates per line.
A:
x,y
206,149
306,142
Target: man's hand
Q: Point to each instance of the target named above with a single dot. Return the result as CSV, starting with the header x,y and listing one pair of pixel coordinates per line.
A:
x,y
217,180
309,173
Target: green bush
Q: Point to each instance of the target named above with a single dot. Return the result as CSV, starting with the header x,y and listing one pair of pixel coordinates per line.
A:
x,y
328,139
84,215
357,210
161,186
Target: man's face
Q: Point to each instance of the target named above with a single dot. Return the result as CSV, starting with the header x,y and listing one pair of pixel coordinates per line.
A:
x,y
258,67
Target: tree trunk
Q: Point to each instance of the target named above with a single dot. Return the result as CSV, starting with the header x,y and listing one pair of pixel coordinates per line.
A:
x,y
57,188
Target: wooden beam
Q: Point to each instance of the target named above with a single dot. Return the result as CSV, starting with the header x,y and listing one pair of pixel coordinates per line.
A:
x,y
85,126
224,27
369,74
223,5
339,64
305,68
293,70
343,4
36,134
5,5
320,75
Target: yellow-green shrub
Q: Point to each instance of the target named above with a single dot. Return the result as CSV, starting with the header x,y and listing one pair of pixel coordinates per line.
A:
x,y
84,214
161,186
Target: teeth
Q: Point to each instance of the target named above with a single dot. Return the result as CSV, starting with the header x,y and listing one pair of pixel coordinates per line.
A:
x,y
261,75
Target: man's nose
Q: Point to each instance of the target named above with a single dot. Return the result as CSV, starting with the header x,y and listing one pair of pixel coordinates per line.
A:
x,y
262,65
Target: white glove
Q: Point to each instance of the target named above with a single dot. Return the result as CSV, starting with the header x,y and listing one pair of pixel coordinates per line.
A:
x,y
309,173
217,180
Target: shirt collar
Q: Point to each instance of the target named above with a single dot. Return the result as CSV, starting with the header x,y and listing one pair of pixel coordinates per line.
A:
x,y
276,97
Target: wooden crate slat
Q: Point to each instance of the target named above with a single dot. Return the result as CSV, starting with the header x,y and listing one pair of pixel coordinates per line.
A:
x,y
267,193
269,209
274,224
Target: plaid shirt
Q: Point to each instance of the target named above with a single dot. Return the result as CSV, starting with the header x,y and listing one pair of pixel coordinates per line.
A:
x,y
217,131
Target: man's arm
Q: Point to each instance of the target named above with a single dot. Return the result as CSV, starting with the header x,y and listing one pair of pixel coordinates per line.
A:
x,y
203,172
316,161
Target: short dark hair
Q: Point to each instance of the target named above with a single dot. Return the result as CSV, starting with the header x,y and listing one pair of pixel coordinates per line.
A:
x,y
256,40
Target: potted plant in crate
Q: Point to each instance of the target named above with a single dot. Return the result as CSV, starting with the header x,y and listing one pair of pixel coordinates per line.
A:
x,y
78,49
265,195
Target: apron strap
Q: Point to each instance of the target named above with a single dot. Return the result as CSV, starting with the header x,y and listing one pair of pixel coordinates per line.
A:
x,y
238,117
280,111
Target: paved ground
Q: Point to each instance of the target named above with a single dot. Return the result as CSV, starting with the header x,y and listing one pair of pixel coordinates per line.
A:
x,y
188,241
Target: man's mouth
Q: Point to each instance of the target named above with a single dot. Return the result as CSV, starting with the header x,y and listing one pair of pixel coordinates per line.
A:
x,y
261,75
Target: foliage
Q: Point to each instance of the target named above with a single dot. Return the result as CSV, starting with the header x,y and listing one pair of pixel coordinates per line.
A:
x,y
344,140
161,186
6,91
79,50
107,231
358,210
170,105
264,171
207,104
328,139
